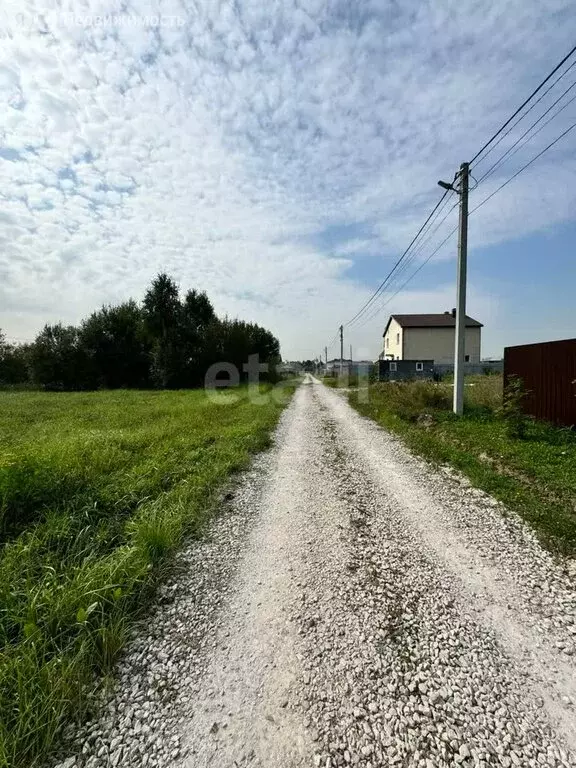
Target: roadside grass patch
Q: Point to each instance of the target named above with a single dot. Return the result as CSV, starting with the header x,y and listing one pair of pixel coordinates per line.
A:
x,y
97,490
533,473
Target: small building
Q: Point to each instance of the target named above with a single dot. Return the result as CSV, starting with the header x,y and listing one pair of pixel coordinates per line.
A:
x,y
289,368
333,366
402,370
349,367
429,337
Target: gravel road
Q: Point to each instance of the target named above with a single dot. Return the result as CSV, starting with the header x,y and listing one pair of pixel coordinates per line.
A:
x,y
351,605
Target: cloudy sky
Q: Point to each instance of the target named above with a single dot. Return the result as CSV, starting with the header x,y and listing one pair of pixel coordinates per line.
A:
x,y
281,155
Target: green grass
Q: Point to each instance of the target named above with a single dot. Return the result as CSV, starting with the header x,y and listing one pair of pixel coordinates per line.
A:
x,y
96,491
535,476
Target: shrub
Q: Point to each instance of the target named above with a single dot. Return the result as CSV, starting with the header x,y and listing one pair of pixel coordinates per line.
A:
x,y
511,411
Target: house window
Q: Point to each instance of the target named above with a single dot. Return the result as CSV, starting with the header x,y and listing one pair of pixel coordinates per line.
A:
x,y
397,338
419,366
393,367
466,358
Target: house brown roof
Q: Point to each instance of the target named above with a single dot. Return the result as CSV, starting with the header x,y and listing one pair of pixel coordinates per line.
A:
x,y
444,320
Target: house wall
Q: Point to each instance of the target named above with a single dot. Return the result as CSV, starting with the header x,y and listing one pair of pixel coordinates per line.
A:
x,y
391,345
405,370
438,344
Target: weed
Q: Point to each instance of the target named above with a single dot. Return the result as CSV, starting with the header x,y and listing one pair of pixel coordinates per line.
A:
x,y
511,411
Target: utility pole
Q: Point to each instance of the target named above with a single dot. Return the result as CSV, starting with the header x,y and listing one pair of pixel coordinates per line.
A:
x,y
326,356
341,350
350,354
460,322
460,335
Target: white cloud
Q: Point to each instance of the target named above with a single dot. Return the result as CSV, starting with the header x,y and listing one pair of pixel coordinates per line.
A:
x,y
221,148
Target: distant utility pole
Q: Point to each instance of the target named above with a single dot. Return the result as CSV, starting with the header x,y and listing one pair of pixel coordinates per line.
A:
x,y
460,334
350,353
341,350
326,356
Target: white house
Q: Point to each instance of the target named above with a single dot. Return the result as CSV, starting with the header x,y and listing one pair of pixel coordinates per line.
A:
x,y
429,337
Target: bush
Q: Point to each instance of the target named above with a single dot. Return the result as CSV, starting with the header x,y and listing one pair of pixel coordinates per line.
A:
x,y
511,411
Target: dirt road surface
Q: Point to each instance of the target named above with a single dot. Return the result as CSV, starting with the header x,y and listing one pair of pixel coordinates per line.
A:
x,y
351,606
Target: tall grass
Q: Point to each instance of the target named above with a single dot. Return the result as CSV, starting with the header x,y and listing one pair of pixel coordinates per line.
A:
x,y
96,491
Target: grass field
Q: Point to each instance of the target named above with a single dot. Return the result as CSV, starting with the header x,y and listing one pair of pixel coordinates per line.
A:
x,y
534,475
96,490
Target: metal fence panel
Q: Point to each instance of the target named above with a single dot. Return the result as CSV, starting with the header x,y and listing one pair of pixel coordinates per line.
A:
x,y
548,371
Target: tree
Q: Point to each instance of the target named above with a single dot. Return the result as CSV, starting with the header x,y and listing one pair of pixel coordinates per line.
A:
x,y
116,345
58,361
233,341
13,362
198,310
197,317
167,342
163,321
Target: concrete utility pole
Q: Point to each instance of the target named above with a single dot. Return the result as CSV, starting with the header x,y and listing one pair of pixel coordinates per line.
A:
x,y
350,354
326,356
341,350
460,335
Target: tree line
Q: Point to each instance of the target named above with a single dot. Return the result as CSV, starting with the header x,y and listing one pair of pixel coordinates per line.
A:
x,y
166,342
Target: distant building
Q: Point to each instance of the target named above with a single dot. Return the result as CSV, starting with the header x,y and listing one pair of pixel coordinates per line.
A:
x,y
429,337
348,366
289,367
333,366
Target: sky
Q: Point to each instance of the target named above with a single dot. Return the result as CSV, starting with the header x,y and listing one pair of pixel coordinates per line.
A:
x,y
281,155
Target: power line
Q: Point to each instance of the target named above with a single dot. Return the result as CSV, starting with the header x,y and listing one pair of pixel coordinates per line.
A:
x,y
435,251
404,254
532,106
411,260
512,151
413,275
529,163
421,246
426,260
334,339
490,145
524,103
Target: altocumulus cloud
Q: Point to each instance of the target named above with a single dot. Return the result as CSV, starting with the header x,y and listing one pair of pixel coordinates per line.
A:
x,y
227,142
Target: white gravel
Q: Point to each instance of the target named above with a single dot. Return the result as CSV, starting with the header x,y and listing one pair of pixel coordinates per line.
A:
x,y
351,606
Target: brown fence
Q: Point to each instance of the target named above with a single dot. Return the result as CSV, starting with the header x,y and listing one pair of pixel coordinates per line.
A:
x,y
549,374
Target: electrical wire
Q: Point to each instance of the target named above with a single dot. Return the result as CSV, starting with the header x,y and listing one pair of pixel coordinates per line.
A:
x,y
488,147
402,257
512,151
426,260
411,261
529,163
329,346
532,106
524,103
451,233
